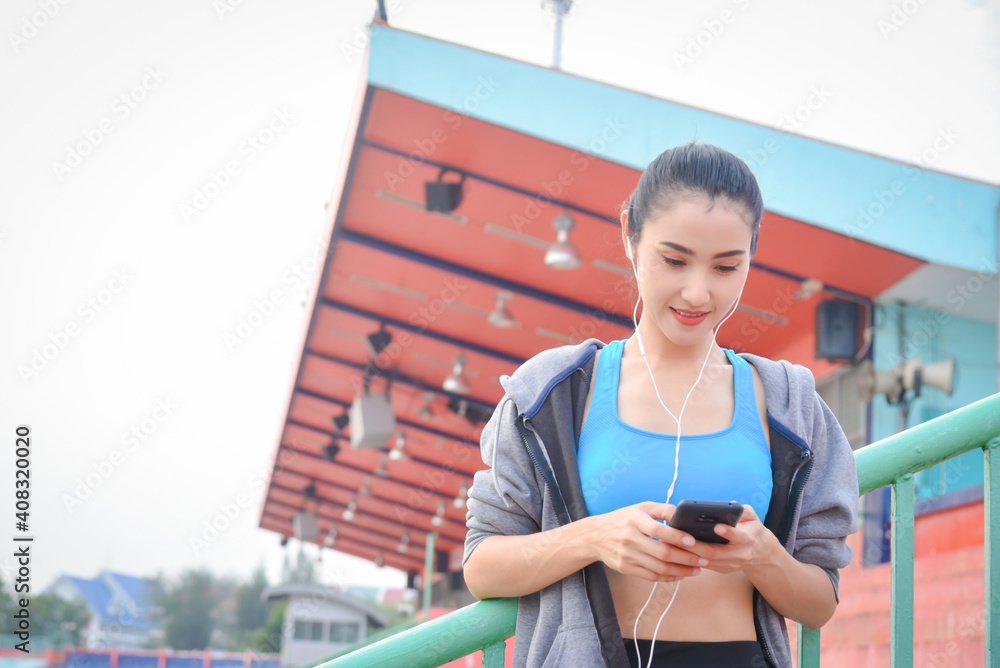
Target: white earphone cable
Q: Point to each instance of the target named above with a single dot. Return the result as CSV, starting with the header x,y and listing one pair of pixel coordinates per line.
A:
x,y
677,444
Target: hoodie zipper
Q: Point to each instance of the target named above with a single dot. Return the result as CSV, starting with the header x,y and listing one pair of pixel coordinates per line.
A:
x,y
521,424
799,483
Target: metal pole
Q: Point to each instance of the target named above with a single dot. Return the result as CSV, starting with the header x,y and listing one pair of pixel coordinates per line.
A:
x,y
428,570
901,573
991,503
561,7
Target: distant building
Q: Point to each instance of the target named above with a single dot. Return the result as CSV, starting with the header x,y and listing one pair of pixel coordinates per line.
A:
x,y
120,608
403,601
321,620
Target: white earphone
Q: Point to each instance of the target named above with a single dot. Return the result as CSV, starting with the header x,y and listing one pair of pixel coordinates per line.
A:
x,y
677,444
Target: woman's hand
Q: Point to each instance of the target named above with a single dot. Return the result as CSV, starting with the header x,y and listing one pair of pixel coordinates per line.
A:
x,y
632,541
750,544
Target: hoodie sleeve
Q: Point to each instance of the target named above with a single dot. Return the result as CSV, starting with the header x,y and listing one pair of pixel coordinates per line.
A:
x,y
829,511
506,498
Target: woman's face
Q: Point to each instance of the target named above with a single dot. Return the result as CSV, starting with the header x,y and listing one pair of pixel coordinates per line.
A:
x,y
692,261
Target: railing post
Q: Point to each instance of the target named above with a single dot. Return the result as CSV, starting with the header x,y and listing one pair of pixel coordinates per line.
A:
x,y
808,648
493,655
428,570
901,571
991,566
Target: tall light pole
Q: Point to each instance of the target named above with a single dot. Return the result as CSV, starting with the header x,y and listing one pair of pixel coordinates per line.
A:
x,y
561,8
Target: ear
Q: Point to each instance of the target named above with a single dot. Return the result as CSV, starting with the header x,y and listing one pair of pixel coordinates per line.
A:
x,y
626,242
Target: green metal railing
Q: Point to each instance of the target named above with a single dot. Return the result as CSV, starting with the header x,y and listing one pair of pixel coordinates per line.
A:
x,y
486,625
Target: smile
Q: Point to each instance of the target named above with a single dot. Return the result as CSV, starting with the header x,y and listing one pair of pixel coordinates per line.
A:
x,y
689,317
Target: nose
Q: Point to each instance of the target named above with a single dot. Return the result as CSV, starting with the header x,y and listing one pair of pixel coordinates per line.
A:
x,y
695,290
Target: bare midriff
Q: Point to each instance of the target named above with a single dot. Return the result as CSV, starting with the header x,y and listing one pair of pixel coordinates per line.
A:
x,y
709,607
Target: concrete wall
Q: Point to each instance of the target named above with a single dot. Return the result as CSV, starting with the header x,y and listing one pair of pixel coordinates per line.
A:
x,y
948,625
297,652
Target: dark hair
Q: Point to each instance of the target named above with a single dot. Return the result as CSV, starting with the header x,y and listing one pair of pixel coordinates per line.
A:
x,y
695,170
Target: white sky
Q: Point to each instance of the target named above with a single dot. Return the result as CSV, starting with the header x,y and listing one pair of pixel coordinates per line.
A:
x,y
109,227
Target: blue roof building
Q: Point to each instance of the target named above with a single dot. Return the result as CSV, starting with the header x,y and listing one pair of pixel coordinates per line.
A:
x,y
120,607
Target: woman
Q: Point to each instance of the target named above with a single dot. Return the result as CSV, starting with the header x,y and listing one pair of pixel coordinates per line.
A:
x,y
584,450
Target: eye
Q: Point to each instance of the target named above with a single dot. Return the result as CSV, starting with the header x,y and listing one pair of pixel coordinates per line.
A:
x,y
727,269
673,262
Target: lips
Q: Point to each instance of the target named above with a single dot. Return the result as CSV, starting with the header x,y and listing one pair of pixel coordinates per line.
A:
x,y
689,318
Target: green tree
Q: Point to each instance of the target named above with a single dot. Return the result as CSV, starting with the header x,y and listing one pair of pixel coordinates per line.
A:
x,y
61,620
186,607
267,639
252,610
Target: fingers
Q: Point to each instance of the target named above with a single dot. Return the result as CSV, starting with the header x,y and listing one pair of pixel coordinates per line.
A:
x,y
647,574
749,514
737,534
734,535
658,511
663,544
666,568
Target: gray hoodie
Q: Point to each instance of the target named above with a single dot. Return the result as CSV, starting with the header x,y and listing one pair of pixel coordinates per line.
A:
x,y
533,484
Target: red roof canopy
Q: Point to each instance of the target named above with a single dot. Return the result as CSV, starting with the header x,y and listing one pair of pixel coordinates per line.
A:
x,y
432,279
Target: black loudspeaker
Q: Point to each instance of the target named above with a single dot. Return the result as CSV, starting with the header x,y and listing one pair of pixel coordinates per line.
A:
x,y
411,580
836,330
442,196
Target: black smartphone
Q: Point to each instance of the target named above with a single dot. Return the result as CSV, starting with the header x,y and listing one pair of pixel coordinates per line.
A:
x,y
699,518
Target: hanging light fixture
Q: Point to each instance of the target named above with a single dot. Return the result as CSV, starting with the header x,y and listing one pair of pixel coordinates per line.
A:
x,y
473,413
438,519
563,254
425,411
404,542
382,470
331,536
341,421
348,514
366,487
330,451
501,315
376,342
463,492
457,382
397,453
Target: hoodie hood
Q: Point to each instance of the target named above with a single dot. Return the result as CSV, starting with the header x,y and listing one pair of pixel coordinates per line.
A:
x,y
534,379
527,390
785,385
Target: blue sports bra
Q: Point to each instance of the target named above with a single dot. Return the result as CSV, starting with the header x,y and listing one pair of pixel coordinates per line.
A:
x,y
621,465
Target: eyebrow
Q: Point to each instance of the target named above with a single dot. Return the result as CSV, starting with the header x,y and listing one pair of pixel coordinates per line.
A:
x,y
688,251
